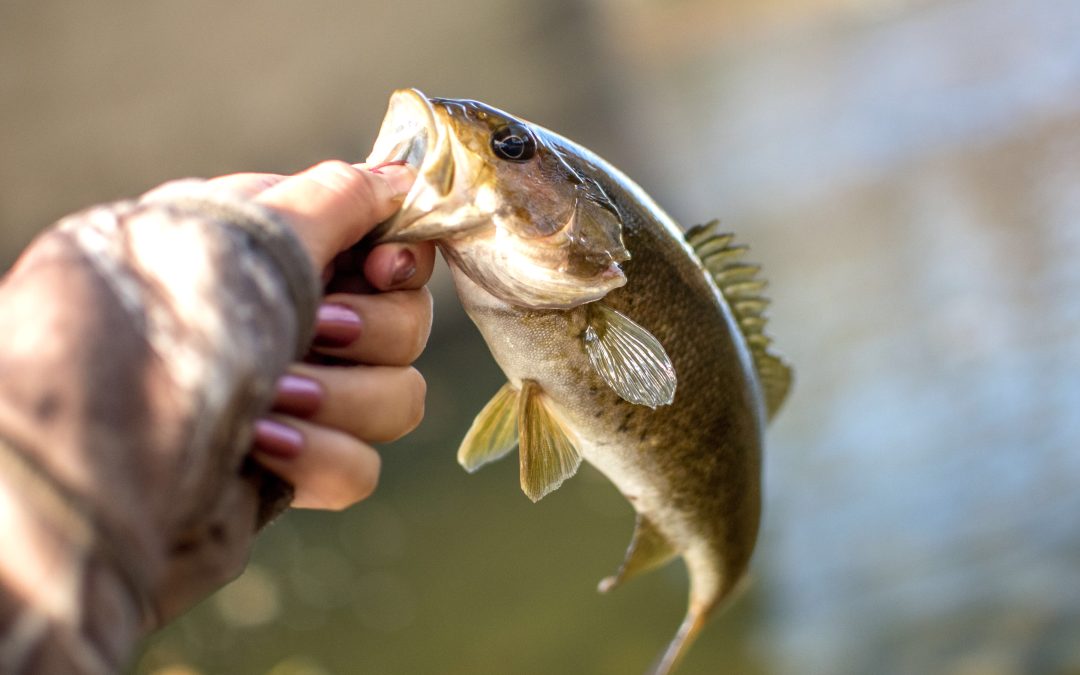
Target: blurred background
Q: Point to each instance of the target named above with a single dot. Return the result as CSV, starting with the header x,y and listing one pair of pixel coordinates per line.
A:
x,y
908,172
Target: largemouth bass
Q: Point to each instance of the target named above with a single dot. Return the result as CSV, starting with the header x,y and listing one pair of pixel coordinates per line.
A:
x,y
626,343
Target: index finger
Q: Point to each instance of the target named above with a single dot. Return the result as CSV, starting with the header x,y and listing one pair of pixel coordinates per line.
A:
x,y
334,204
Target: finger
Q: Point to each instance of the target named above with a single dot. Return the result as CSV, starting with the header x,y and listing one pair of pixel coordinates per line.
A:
x,y
386,267
378,404
328,469
238,185
182,187
347,272
334,204
387,329
244,185
399,266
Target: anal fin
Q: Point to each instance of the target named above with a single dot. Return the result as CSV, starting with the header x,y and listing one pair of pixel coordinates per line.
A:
x,y
548,455
648,550
493,433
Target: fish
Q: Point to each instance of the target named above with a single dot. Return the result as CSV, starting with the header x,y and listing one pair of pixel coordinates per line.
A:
x,y
627,343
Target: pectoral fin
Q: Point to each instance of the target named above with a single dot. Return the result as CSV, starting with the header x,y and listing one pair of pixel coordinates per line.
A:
x,y
493,433
629,358
648,550
548,455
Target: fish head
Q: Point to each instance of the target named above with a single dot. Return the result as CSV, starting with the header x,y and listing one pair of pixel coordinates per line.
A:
x,y
511,204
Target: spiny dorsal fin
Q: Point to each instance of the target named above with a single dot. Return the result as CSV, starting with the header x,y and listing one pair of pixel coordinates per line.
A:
x,y
493,433
628,357
742,289
548,455
648,550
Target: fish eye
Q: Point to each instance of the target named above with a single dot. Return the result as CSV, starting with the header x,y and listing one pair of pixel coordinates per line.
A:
x,y
513,142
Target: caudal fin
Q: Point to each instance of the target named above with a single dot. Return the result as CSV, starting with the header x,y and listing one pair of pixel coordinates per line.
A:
x,y
697,616
680,644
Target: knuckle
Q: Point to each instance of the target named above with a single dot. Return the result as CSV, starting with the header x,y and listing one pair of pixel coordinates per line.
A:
x,y
418,323
336,502
172,188
365,482
355,485
345,180
412,392
333,172
427,312
335,167
417,397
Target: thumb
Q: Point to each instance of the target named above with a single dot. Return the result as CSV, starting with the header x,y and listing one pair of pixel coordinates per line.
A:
x,y
334,204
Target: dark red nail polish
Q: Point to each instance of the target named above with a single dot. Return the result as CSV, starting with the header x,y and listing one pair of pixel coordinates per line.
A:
x,y
337,326
404,267
299,396
277,440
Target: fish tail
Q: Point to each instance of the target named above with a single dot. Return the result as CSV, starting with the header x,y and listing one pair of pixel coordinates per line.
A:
x,y
705,601
680,644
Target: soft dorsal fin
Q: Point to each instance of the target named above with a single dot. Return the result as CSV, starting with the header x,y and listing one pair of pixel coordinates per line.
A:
x,y
648,550
628,357
493,433
742,289
548,455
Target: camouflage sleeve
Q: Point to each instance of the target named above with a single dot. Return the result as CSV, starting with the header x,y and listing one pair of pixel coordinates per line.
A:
x,y
138,341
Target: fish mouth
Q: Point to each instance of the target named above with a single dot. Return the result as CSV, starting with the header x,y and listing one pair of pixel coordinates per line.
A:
x,y
411,133
454,202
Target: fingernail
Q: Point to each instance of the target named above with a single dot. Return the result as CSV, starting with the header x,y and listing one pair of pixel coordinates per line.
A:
x,y
277,440
397,175
404,267
297,395
378,167
337,326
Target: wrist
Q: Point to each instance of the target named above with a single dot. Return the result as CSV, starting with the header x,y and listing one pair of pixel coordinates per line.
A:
x,y
67,604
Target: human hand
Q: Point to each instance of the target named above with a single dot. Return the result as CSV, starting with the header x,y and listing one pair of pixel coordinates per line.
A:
x,y
376,324
134,349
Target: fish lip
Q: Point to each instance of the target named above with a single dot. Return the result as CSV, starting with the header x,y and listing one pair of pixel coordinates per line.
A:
x,y
409,132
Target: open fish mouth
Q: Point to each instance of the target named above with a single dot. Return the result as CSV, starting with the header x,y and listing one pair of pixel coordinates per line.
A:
x,y
408,130
410,133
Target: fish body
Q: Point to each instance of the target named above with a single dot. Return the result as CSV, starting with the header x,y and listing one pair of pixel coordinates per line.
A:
x,y
625,343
